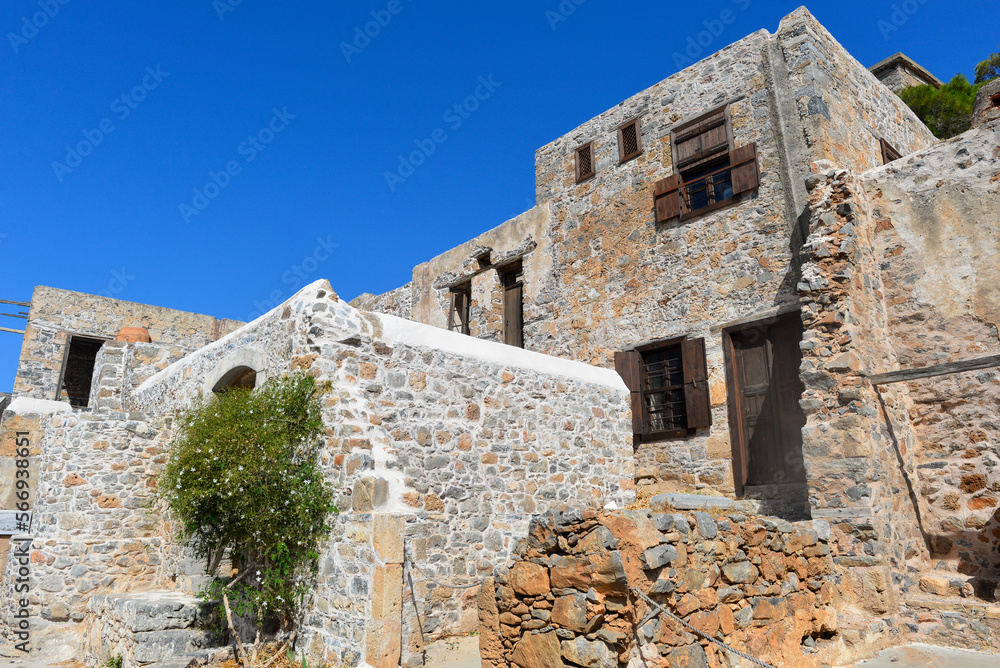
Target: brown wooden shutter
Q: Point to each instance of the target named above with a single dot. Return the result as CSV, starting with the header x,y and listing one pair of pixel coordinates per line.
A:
x,y
667,195
696,396
746,175
451,310
513,317
628,364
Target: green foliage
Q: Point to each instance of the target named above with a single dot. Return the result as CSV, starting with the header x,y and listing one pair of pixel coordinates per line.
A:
x,y
114,662
989,69
947,110
244,476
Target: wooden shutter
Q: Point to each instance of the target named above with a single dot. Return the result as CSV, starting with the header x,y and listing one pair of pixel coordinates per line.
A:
x,y
696,396
667,195
702,138
585,162
513,317
745,173
628,364
629,141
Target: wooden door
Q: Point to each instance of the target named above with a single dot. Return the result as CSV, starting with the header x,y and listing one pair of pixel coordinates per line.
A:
x,y
513,306
764,390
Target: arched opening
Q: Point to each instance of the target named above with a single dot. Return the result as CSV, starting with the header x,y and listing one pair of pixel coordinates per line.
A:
x,y
240,378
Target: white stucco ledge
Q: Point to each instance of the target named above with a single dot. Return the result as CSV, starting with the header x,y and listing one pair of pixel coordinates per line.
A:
x,y
407,332
22,405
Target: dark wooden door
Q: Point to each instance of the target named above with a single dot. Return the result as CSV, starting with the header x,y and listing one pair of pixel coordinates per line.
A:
x,y
766,418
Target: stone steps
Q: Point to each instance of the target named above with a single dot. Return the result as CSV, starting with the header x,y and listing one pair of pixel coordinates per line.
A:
x,y
148,629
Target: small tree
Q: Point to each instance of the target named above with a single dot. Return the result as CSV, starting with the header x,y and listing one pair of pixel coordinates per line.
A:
x,y
947,110
243,476
989,69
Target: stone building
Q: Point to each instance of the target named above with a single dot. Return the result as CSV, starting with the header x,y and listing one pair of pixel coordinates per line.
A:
x,y
899,72
762,280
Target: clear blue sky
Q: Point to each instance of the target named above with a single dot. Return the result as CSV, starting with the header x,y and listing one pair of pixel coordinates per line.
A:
x,y
201,77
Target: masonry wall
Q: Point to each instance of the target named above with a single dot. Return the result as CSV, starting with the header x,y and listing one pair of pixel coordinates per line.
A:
x,y
464,439
57,314
859,445
938,216
566,598
844,108
600,274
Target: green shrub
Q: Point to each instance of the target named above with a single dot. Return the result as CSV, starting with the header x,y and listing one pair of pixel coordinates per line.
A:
x,y
947,110
244,476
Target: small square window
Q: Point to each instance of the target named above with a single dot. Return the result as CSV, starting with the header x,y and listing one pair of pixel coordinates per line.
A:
x,y
585,167
629,141
888,152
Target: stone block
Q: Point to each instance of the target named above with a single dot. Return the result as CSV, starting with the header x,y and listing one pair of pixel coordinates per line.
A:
x,y
388,532
590,654
659,556
570,612
529,579
539,650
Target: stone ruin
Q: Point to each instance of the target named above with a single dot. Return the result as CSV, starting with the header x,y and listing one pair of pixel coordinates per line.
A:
x,y
767,408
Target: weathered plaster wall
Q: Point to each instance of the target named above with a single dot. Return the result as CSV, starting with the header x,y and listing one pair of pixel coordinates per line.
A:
x,y
938,213
56,314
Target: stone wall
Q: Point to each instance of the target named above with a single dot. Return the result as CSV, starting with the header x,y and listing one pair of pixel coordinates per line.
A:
x,y
57,314
763,586
938,216
844,108
464,439
398,302
601,276
859,445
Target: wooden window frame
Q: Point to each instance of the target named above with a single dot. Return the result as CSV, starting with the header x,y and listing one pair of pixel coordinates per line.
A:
x,y
625,157
889,153
455,309
672,195
695,386
581,177
65,363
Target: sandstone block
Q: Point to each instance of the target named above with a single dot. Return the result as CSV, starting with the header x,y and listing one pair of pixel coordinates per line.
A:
x,y
570,612
529,579
540,650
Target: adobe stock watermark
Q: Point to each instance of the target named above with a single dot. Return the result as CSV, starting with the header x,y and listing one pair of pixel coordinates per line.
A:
x,y
119,281
696,44
122,107
363,35
562,12
250,148
30,27
901,13
454,116
223,7
296,276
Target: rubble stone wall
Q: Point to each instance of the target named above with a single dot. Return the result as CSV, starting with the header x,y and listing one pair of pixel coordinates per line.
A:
x,y
844,108
938,216
397,302
57,314
464,438
859,444
765,587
